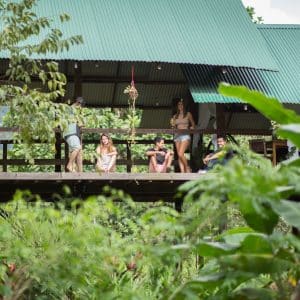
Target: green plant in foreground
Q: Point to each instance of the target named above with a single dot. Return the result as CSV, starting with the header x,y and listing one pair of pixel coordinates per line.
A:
x,y
254,262
108,247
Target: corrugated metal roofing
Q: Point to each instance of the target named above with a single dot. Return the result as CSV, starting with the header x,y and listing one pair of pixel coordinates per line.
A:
x,y
215,32
284,44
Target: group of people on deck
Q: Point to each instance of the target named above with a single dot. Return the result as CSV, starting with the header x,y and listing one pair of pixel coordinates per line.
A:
x,y
159,158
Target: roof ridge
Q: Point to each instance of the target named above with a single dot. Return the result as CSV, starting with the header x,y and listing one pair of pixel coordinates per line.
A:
x,y
278,26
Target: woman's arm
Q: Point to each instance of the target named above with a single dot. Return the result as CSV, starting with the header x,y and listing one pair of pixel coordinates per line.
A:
x,y
113,152
172,122
191,120
98,150
112,162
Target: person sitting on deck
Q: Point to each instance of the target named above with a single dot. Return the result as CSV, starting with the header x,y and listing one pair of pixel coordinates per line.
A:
x,y
218,157
106,155
160,158
73,139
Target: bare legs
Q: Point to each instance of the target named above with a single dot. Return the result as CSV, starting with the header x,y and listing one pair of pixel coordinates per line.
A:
x,y
75,156
181,147
168,161
154,167
79,160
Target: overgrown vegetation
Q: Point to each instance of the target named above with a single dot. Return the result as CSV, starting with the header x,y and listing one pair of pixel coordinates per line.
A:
x,y
110,247
24,36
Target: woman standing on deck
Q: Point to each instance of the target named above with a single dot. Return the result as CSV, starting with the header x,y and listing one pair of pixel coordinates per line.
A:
x,y
106,155
182,120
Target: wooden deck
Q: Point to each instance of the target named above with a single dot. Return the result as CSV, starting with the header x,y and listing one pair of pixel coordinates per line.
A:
x,y
141,186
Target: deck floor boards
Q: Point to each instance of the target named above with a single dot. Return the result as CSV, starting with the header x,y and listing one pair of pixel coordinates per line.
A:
x,y
141,186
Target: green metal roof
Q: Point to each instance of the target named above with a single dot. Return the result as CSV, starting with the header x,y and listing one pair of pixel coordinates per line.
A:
x,y
284,44
214,32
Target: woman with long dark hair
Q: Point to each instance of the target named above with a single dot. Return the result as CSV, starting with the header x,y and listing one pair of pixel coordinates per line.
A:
x,y
182,120
106,155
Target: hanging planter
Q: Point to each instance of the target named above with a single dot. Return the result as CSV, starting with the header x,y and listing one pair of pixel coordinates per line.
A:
x,y
132,96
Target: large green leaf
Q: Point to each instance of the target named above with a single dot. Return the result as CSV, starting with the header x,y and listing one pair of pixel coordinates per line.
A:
x,y
191,288
214,249
235,236
270,107
290,132
255,263
259,216
256,244
253,294
288,210
292,162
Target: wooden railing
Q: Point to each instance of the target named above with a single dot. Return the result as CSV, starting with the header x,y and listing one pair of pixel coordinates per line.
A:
x,y
59,160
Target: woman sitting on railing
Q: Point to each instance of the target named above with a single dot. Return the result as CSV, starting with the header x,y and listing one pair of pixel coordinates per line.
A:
x,y
106,155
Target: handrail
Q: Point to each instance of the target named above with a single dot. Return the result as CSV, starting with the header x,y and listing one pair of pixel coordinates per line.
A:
x,y
58,161
237,131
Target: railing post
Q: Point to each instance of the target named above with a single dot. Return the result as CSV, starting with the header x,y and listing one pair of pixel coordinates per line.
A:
x,y
57,151
66,155
128,156
4,155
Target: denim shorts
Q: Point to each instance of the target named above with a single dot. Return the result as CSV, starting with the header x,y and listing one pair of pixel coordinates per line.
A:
x,y
181,137
73,142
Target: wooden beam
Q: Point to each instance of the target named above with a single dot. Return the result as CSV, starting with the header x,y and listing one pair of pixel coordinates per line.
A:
x,y
115,87
114,80
220,119
239,131
139,106
110,79
77,79
142,187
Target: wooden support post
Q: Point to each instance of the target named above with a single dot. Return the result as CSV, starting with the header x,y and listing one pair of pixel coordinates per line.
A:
x,y
221,130
178,205
221,122
58,151
128,156
115,87
77,79
4,155
66,155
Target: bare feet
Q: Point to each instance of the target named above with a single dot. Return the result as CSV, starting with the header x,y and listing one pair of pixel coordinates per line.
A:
x,y
70,169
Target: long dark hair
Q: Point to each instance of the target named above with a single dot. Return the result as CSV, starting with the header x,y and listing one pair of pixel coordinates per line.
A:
x,y
184,108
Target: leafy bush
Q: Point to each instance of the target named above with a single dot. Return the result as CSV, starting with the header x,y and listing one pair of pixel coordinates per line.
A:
x,y
108,247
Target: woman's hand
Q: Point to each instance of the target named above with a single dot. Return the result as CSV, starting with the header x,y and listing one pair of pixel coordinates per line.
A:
x,y
172,122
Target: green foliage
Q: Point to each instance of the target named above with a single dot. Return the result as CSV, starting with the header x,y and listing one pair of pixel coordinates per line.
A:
x,y
32,110
263,195
111,247
93,118
252,14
